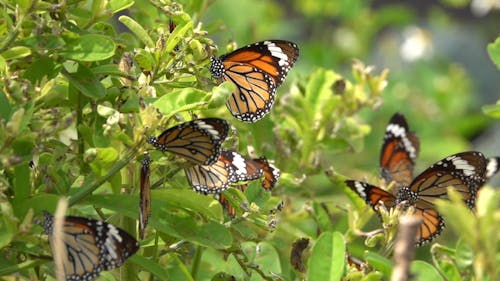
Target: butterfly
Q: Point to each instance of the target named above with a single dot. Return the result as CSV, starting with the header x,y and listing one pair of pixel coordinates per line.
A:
x,y
256,70
90,246
466,172
231,167
144,196
270,176
198,140
399,152
271,173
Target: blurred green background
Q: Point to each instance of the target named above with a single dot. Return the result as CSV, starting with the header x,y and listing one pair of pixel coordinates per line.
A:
x,y
440,74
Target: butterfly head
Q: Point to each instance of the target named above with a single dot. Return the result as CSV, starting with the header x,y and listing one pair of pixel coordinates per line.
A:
x,y
216,67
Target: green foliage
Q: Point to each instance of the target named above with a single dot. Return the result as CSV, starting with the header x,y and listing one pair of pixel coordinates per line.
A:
x,y
78,96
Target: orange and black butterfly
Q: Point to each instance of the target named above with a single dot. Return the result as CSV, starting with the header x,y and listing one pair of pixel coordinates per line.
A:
x,y
144,196
198,141
230,168
271,173
256,70
270,176
466,172
399,152
90,246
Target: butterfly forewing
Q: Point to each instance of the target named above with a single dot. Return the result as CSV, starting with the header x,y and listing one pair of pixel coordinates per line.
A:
x,y
198,141
399,152
465,172
91,246
372,194
246,169
256,70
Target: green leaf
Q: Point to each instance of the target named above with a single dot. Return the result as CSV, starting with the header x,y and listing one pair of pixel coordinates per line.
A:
x,y
137,29
3,65
16,53
180,100
327,258
267,258
8,224
177,35
380,263
423,271
494,52
492,110
89,47
190,200
5,106
118,5
86,82
321,217
145,60
449,269
44,67
150,266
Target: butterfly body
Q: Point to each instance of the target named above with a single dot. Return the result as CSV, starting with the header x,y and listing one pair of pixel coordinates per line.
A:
x,y
91,246
256,70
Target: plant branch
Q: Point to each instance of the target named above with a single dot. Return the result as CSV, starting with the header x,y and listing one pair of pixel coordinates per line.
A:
x,y
404,249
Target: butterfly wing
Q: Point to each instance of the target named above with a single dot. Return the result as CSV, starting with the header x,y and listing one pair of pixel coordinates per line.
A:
x,y
372,194
271,173
231,167
465,172
144,197
198,141
492,167
256,70
91,246
399,152
432,223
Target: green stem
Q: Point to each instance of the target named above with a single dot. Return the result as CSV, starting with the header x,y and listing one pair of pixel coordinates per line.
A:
x,y
196,262
87,190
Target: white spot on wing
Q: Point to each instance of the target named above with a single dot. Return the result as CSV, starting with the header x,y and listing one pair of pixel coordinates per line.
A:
x,y
492,167
277,52
463,165
201,124
360,188
113,236
240,164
